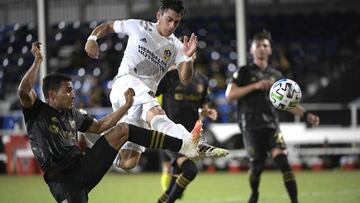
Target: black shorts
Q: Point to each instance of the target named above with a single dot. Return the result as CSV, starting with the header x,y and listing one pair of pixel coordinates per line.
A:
x,y
76,181
259,142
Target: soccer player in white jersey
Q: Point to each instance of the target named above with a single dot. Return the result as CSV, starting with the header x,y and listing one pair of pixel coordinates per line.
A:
x,y
151,49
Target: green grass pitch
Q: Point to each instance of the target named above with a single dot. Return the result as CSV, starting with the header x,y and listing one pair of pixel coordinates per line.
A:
x,y
221,187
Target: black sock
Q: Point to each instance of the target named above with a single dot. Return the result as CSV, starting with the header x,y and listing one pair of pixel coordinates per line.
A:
x,y
256,168
163,198
175,171
288,176
153,139
254,181
189,171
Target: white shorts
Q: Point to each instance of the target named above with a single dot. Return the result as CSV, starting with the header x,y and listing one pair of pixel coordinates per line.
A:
x,y
143,102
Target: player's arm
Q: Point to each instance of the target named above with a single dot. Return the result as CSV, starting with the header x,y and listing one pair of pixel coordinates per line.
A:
x,y
308,117
105,123
234,92
186,67
25,90
91,46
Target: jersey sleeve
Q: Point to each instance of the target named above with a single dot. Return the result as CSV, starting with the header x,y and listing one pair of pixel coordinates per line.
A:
x,y
84,121
125,26
30,112
238,76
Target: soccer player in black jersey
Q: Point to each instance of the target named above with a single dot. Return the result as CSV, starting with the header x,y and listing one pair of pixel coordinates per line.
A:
x,y
258,119
181,104
52,127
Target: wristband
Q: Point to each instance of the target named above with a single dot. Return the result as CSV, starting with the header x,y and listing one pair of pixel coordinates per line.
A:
x,y
187,58
92,37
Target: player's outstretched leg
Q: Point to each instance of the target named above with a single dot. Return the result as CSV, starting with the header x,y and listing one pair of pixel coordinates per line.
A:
x,y
163,124
204,149
153,139
191,140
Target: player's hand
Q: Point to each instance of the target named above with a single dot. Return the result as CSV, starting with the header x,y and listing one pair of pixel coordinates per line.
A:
x,y
312,119
129,97
190,45
36,51
210,112
92,49
263,84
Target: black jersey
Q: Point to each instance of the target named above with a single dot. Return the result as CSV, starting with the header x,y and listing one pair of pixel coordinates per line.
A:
x,y
181,102
255,110
53,135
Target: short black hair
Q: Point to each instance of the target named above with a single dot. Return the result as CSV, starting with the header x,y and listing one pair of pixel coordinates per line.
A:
x,y
53,81
176,5
264,34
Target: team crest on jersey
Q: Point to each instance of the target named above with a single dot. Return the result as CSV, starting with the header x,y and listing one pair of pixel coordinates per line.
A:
x,y
200,88
273,79
72,124
167,54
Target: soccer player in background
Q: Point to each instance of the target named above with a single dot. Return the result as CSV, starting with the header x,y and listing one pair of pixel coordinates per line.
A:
x,y
53,126
151,49
258,119
181,104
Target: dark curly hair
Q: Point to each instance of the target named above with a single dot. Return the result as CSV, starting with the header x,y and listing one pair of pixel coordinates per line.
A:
x,y
264,34
53,82
175,5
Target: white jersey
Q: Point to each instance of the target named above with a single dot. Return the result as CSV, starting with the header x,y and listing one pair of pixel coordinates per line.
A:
x,y
148,55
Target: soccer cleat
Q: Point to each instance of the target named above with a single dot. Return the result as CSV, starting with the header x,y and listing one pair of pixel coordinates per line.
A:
x,y
196,132
205,150
254,197
190,143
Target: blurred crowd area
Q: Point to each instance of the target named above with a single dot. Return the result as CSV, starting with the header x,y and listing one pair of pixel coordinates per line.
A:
x,y
318,50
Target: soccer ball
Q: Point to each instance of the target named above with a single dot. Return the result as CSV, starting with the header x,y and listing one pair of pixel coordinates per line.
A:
x,y
285,94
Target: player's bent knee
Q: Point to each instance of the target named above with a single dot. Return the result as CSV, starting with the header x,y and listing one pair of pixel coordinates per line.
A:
x,y
189,169
154,111
128,159
118,135
126,165
282,162
157,110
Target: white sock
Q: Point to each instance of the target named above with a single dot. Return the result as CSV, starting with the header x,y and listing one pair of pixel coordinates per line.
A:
x,y
163,124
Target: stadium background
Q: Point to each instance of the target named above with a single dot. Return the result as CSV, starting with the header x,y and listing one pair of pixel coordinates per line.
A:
x,y
316,43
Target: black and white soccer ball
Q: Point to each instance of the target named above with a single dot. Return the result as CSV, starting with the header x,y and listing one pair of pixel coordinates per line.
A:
x,y
285,94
